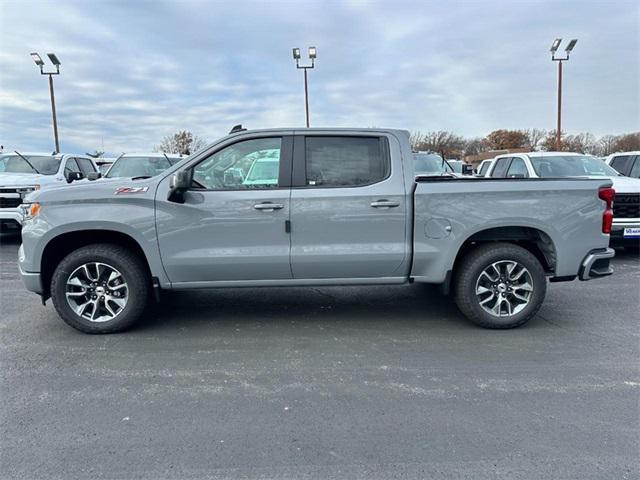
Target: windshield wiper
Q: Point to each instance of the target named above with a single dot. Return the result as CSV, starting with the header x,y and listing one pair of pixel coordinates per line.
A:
x,y
28,162
141,177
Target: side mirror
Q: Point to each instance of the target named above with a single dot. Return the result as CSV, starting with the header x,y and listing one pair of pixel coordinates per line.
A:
x,y
180,183
94,176
467,169
73,176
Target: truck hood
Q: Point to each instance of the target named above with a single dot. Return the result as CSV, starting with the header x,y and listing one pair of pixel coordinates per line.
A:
x,y
626,184
94,191
26,179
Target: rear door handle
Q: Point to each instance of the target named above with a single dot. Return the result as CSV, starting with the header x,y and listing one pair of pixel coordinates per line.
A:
x,y
268,207
384,204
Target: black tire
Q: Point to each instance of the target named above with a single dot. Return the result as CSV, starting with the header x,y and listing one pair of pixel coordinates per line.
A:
x,y
132,270
469,271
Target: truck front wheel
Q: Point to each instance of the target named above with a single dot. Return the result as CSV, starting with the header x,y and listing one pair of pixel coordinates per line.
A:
x,y
100,288
500,285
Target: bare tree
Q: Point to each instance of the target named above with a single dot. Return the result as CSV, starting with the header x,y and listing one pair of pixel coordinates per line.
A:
x,y
182,142
415,138
580,143
474,146
535,137
628,142
606,145
445,143
505,139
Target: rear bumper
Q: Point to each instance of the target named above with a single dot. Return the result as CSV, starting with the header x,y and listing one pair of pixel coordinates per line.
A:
x,y
597,264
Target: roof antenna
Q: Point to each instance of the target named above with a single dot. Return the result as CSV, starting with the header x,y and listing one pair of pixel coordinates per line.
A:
x,y
237,128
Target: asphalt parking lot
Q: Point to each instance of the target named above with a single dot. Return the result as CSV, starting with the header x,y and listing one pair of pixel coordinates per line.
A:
x,y
357,383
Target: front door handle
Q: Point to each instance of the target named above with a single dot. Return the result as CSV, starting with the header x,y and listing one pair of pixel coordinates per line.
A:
x,y
268,207
384,204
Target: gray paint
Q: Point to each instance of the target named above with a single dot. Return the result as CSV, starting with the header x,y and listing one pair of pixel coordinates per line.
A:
x,y
217,238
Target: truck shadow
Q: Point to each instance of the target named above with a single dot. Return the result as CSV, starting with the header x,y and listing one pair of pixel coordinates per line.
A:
x,y
229,308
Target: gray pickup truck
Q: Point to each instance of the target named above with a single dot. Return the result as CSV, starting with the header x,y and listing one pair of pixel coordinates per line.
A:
x,y
311,207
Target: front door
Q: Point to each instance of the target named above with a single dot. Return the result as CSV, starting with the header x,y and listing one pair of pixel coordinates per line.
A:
x,y
348,212
232,224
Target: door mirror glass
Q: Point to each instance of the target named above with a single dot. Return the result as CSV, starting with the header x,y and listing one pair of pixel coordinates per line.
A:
x,y
180,182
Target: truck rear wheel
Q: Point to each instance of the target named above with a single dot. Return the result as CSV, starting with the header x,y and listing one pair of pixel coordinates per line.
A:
x,y
500,285
100,288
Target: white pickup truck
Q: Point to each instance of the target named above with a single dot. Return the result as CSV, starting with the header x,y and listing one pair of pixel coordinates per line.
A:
x,y
626,205
24,172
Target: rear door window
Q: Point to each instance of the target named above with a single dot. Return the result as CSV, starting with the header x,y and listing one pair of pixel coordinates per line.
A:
x,y
620,163
346,161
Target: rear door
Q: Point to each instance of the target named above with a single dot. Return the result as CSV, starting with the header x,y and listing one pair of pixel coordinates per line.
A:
x,y
348,208
230,227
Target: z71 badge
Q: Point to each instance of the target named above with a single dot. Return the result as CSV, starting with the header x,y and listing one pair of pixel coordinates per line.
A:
x,y
123,190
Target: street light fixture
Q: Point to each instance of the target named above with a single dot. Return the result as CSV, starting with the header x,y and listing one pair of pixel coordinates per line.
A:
x,y
554,49
56,63
313,53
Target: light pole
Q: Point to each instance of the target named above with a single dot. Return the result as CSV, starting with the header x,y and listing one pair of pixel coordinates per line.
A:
x,y
554,48
312,56
56,63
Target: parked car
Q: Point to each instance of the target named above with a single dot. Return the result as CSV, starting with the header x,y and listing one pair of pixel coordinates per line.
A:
x,y
626,205
483,168
133,165
347,209
24,172
627,163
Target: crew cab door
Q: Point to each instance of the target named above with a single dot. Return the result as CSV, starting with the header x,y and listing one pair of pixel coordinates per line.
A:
x,y
348,207
232,224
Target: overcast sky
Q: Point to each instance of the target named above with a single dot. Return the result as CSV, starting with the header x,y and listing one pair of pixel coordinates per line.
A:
x,y
133,72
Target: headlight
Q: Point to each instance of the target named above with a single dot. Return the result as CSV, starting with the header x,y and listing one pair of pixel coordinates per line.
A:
x,y
24,191
30,210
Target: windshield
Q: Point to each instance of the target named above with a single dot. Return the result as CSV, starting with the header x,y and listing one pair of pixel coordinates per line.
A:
x,y
456,166
17,164
138,167
430,164
571,166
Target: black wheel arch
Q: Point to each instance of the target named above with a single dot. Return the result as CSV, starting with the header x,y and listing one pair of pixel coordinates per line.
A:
x,y
60,246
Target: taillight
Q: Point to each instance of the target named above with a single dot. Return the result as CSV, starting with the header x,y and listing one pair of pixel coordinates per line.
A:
x,y
607,194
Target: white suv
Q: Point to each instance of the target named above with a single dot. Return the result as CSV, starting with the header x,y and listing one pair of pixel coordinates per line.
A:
x,y
626,205
21,173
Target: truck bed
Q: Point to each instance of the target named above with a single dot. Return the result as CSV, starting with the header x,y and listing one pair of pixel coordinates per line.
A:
x,y
449,212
